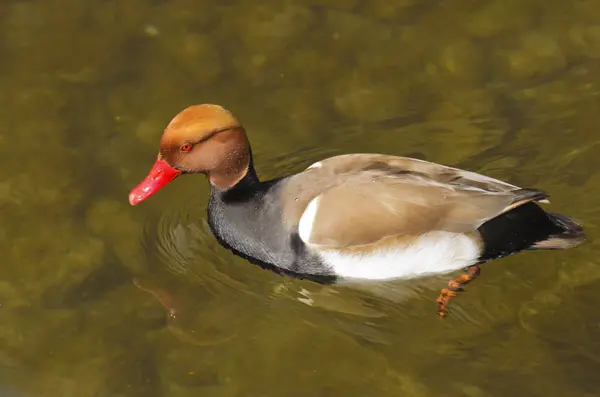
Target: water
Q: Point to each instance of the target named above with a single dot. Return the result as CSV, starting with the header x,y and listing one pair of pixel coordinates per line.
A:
x,y
102,299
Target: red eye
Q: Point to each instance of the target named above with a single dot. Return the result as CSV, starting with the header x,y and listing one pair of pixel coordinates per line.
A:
x,y
186,147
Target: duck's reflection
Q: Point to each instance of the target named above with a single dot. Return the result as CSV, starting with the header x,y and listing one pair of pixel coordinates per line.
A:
x,y
193,317
204,305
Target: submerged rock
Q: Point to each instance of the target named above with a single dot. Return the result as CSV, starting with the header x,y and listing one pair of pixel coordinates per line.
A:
x,y
61,257
564,317
114,223
460,64
267,29
388,10
196,53
335,4
586,38
535,55
364,98
500,17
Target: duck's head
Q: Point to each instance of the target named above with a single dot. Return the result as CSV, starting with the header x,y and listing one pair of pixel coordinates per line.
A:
x,y
204,139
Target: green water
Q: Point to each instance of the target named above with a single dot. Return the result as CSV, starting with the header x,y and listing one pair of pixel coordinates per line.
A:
x,y
510,88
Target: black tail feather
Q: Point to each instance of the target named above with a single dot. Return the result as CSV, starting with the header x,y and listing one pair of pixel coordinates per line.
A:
x,y
571,236
528,226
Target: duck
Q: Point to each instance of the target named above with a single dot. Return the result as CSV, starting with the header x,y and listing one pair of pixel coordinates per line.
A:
x,y
357,216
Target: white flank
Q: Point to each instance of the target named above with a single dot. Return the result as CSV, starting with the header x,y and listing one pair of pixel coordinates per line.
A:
x,y
433,252
318,164
307,220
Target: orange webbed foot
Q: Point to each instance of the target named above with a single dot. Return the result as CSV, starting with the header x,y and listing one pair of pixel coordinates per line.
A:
x,y
454,286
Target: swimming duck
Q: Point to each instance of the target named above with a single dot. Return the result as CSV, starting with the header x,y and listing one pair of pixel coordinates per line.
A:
x,y
353,216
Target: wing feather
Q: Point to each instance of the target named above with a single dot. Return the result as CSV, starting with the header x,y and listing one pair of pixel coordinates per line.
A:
x,y
368,197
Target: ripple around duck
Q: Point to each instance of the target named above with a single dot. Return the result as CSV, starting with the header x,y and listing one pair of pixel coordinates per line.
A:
x,y
187,274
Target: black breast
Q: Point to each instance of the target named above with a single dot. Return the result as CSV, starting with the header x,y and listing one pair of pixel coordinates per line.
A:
x,y
247,220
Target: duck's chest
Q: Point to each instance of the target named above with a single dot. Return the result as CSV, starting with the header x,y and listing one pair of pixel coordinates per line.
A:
x,y
252,228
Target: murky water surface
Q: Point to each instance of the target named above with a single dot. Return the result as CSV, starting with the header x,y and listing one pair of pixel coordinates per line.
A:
x,y
101,299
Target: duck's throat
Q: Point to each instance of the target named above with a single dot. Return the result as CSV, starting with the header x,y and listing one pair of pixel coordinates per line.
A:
x,y
232,173
243,180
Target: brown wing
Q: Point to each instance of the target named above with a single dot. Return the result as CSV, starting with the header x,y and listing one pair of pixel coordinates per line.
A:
x,y
361,199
